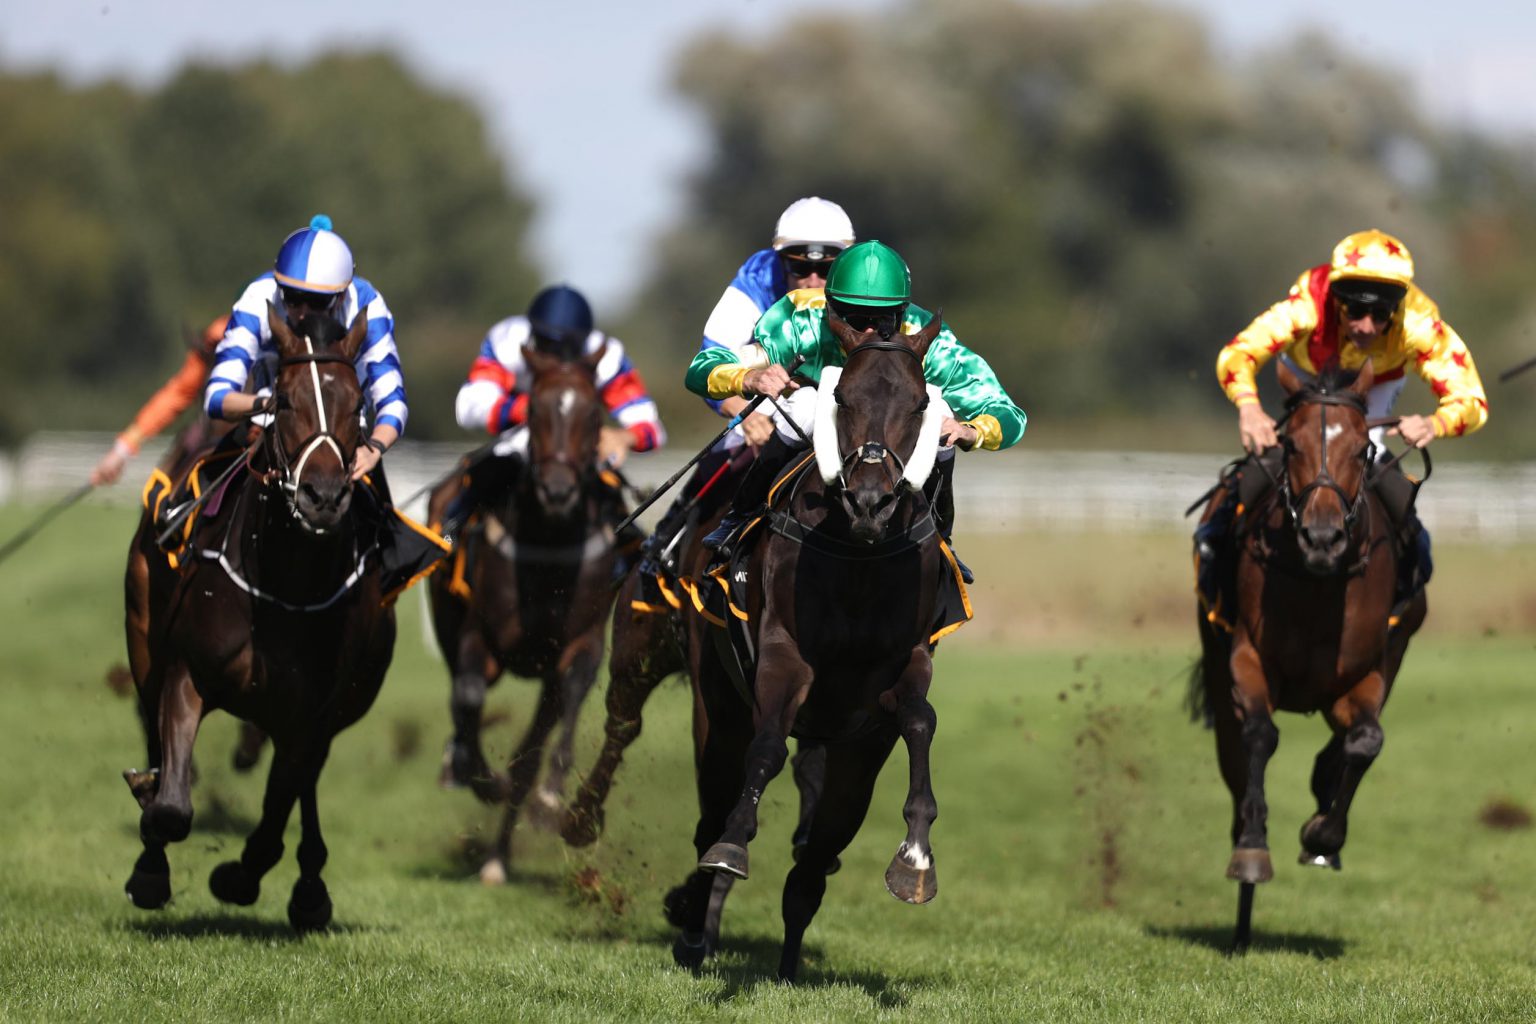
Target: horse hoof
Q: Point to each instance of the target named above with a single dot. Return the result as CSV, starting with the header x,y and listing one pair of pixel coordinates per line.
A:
x,y
725,857
142,784
546,809
690,950
230,882
493,873
582,826
1250,865
309,908
1320,860
833,867
911,877
149,890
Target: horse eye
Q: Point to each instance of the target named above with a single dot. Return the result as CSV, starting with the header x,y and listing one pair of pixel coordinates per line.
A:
x,y
837,396
923,405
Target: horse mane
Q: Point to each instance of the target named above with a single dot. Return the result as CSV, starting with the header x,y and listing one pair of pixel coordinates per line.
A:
x,y
1333,383
322,330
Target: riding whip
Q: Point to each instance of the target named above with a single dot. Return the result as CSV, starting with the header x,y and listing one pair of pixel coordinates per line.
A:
x,y
182,514
43,520
1517,369
675,477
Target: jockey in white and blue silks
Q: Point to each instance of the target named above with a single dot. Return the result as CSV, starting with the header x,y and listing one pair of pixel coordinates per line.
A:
x,y
807,238
313,273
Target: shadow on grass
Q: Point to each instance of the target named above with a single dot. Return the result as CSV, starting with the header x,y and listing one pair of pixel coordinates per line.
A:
x,y
745,963
1219,938
227,925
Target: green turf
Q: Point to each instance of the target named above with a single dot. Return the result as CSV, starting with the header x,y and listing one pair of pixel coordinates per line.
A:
x,y
1080,845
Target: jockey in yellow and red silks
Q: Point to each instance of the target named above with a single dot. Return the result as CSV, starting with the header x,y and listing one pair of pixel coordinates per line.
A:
x,y
1363,305
1360,306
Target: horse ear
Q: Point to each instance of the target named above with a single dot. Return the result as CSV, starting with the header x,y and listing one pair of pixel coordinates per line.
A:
x,y
593,359
1288,379
287,342
538,362
1364,379
846,336
352,344
923,338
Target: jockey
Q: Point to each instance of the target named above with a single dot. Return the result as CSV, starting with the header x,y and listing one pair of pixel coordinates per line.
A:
x,y
495,397
312,274
174,397
1361,306
807,238
869,288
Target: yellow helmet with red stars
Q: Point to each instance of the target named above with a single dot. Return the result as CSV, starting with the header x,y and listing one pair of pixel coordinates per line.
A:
x,y
1374,256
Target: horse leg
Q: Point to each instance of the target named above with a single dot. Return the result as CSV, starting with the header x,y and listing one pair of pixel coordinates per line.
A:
x,y
851,771
911,876
578,671
522,772
1355,719
248,747
239,881
171,711
309,906
464,762
809,766
641,659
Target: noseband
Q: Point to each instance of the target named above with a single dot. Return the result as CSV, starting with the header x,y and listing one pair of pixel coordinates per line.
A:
x,y
289,471
1296,501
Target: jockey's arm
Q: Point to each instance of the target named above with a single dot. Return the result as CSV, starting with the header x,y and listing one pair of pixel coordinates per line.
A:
x,y
1444,362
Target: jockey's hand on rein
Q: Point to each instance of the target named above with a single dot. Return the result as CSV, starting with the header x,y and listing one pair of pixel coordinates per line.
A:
x,y
769,380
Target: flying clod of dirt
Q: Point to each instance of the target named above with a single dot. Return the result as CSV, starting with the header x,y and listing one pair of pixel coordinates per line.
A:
x,y
120,680
1504,814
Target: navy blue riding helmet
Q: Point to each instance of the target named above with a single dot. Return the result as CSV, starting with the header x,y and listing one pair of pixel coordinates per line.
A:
x,y
560,319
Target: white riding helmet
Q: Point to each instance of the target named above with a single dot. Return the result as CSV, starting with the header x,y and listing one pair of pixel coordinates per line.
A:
x,y
314,259
815,222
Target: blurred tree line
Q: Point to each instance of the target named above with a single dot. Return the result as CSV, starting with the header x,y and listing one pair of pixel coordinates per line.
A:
x,y
1098,198
1095,195
129,219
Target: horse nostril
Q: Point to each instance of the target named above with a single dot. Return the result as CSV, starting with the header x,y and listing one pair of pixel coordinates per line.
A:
x,y
309,493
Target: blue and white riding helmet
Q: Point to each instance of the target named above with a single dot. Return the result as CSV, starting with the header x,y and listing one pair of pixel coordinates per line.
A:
x,y
314,259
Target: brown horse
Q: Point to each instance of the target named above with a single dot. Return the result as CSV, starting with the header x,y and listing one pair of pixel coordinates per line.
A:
x,y
842,600
530,594
275,615
1316,574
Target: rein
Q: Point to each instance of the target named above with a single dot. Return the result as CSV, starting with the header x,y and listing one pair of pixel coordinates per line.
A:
x,y
288,473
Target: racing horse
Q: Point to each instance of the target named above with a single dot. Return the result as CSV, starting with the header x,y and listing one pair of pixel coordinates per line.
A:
x,y
1316,576
530,594
275,615
843,597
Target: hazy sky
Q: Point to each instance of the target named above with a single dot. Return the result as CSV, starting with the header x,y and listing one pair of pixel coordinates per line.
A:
x,y
578,93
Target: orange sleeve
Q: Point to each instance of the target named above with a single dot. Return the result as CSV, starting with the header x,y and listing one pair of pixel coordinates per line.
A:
x,y
1287,322
174,397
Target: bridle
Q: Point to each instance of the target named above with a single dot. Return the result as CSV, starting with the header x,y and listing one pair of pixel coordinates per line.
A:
x,y
1295,501
289,471
874,453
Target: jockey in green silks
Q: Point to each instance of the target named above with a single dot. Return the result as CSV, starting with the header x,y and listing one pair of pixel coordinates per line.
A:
x,y
869,288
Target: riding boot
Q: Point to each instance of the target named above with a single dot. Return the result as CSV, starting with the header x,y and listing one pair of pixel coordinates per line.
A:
x,y
654,559
486,481
944,512
1414,563
752,495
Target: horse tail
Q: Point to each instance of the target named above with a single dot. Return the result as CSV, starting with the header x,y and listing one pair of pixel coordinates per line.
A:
x,y
1197,696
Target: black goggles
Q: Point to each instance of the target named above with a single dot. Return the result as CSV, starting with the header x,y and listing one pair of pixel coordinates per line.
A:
x,y
883,320
296,298
805,266
1356,309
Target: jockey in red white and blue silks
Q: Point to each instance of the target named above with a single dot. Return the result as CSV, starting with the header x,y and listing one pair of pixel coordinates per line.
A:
x,y
495,397
313,262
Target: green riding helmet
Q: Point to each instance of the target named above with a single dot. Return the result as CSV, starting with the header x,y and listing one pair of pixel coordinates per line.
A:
x,y
869,274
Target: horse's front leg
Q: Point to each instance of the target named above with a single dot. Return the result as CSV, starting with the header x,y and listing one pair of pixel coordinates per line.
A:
x,y
1356,718
1259,738
578,671
239,881
309,906
522,772
464,762
911,876
783,681
166,792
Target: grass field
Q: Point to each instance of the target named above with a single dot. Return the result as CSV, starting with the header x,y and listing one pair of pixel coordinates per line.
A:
x,y
1080,844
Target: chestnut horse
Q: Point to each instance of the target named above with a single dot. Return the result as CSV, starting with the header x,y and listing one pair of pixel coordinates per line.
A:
x,y
843,596
275,615
1316,574
530,594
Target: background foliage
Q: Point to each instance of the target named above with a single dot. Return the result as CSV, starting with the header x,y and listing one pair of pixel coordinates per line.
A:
x,y
1096,196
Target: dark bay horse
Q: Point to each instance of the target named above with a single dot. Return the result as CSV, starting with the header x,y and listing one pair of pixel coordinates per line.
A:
x,y
1316,574
530,594
275,615
843,597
